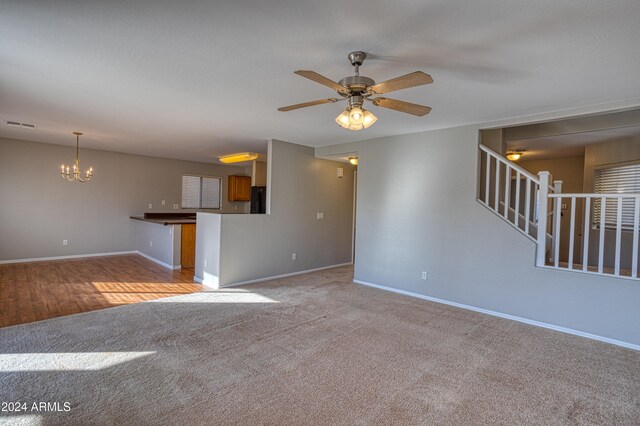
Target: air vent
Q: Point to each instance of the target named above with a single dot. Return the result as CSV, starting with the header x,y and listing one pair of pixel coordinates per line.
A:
x,y
24,125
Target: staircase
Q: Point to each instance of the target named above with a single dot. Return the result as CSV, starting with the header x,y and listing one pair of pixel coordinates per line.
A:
x,y
532,205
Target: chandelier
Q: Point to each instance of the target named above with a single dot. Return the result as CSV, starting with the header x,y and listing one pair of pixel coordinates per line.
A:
x,y
74,174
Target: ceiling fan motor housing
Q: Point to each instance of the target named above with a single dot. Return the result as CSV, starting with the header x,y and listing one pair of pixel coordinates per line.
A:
x,y
356,83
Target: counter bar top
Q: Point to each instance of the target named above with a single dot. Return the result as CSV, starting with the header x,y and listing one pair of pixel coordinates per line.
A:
x,y
166,221
167,218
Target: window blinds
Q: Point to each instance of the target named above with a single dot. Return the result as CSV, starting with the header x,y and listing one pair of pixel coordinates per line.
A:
x,y
190,192
211,193
201,192
616,180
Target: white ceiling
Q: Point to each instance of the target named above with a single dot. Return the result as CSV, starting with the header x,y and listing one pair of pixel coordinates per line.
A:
x,y
569,145
196,79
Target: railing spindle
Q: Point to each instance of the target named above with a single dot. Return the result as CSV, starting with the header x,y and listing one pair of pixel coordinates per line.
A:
x,y
603,208
585,237
487,179
636,225
516,217
616,269
507,190
496,201
572,227
556,231
527,206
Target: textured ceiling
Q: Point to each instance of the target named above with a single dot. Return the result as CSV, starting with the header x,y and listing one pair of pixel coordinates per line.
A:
x,y
570,145
195,79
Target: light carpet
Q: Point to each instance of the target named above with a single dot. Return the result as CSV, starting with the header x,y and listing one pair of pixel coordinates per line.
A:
x,y
312,349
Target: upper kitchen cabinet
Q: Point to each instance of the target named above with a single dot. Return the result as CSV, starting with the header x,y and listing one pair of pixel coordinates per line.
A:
x,y
239,188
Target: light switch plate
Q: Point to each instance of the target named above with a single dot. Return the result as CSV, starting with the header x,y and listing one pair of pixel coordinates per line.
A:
x,y
340,172
320,215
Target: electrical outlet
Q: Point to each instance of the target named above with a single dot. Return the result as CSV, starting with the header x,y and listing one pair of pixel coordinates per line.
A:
x,y
65,242
206,263
164,202
320,215
235,207
176,206
424,275
150,243
294,256
150,206
563,206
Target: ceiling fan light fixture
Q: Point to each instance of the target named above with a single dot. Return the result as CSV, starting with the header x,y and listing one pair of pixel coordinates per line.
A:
x,y
368,119
343,119
239,157
356,115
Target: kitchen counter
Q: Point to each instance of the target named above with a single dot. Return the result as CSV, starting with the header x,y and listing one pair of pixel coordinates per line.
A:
x,y
166,221
168,218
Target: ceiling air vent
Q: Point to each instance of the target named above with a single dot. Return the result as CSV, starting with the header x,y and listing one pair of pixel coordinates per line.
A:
x,y
24,125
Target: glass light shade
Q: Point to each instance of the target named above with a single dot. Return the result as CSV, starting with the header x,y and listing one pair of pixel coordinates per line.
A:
x,y
343,119
239,157
368,119
356,126
356,116
514,156
353,160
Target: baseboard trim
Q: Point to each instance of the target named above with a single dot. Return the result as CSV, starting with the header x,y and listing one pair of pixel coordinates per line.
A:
x,y
159,262
291,274
505,316
72,256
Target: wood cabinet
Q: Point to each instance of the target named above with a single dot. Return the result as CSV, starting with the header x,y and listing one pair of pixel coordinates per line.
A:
x,y
239,188
188,246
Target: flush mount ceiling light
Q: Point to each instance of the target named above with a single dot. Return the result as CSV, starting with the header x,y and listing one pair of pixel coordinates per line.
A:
x,y
357,89
74,174
239,157
515,154
353,160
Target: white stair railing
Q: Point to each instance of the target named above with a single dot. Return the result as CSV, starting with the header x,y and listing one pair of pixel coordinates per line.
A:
x,y
512,193
532,205
614,251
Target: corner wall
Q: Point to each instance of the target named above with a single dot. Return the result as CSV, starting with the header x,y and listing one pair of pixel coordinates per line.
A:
x,y
257,246
417,211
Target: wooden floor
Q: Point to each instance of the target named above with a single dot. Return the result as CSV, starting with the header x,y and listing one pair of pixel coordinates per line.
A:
x,y
41,290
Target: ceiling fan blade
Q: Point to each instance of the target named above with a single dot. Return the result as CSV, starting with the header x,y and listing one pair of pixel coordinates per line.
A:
x,y
308,104
312,75
414,79
402,106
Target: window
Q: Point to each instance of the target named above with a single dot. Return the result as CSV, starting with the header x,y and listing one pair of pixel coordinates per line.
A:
x,y
616,180
201,192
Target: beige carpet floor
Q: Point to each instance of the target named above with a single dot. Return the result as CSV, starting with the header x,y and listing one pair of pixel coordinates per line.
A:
x,y
313,349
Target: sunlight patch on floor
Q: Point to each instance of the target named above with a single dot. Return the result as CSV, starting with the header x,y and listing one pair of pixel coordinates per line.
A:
x,y
149,287
22,420
66,361
219,296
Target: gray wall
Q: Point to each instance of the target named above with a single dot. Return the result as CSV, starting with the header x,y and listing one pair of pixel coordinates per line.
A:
x,y
39,209
166,242
417,211
300,185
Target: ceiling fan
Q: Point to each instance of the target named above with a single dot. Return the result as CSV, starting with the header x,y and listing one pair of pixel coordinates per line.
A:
x,y
357,89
